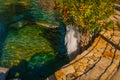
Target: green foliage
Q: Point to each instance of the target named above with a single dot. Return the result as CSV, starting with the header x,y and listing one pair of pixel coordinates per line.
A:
x,y
86,13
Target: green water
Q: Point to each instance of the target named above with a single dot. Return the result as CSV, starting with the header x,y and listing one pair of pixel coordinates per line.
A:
x,y
23,43
32,50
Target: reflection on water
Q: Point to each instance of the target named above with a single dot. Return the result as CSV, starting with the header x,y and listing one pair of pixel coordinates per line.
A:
x,y
31,52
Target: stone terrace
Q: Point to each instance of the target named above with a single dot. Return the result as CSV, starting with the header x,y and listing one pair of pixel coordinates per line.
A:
x,y
101,61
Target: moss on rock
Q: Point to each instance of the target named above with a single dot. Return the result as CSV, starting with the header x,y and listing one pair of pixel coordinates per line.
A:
x,y
24,43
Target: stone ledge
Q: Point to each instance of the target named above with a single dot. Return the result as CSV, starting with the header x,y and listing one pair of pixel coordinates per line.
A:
x,y
3,73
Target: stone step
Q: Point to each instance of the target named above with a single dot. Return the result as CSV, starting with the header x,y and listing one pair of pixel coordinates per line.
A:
x,y
116,75
117,7
102,70
101,60
113,18
3,73
117,17
117,12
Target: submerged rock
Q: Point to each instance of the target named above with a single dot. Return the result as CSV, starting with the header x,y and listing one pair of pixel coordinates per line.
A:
x,y
23,44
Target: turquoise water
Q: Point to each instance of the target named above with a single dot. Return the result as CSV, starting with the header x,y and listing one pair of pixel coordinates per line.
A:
x,y
31,52
23,43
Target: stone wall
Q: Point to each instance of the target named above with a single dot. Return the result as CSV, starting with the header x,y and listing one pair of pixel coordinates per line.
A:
x,y
86,39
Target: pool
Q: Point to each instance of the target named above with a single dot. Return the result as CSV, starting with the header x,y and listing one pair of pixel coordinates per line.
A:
x,y
32,52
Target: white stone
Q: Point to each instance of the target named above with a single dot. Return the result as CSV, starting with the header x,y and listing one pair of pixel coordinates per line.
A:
x,y
72,39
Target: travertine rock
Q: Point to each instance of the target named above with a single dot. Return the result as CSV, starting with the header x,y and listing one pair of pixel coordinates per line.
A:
x,y
99,62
